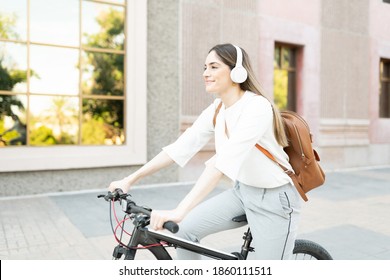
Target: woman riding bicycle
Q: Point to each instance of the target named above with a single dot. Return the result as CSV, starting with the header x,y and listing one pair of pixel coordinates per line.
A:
x,y
262,190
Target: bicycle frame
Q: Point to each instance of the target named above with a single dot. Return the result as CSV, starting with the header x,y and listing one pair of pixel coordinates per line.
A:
x,y
146,236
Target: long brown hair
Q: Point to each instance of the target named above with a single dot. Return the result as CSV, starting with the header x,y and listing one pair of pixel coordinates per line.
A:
x,y
228,55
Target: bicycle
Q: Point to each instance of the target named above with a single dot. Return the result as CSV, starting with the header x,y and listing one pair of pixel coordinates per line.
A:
x,y
144,238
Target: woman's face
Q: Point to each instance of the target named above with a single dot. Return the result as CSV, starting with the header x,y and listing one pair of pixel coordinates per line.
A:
x,y
216,74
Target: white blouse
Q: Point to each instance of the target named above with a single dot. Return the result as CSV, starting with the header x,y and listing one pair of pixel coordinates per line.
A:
x,y
248,121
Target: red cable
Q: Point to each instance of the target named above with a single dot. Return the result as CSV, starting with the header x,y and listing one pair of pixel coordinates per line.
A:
x,y
119,224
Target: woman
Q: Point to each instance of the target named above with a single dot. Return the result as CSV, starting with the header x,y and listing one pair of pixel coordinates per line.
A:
x,y
262,190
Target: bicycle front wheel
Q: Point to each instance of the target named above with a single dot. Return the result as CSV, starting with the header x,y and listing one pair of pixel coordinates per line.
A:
x,y
309,250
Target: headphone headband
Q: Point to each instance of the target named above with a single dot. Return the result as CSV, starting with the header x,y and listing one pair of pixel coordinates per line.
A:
x,y
238,73
239,56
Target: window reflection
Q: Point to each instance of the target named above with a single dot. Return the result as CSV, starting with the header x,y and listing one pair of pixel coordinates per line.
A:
x,y
102,122
277,62
55,22
288,57
41,68
285,77
103,73
384,91
13,19
53,120
13,67
56,70
12,120
103,25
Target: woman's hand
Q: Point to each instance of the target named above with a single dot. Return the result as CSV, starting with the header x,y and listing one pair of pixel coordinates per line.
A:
x,y
159,217
123,184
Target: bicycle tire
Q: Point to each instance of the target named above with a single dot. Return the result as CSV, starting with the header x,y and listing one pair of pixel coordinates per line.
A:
x,y
309,250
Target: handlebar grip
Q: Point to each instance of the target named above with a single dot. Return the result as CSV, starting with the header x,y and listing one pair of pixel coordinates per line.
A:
x,y
171,226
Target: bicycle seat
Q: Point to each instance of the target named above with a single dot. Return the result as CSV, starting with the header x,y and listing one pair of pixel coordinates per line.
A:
x,y
240,219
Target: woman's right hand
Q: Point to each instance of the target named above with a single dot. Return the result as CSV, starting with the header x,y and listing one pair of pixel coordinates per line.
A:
x,y
123,184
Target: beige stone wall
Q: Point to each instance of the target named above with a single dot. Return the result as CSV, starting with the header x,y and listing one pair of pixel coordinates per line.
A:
x,y
341,43
203,25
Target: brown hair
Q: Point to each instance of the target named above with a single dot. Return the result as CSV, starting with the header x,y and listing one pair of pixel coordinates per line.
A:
x,y
228,55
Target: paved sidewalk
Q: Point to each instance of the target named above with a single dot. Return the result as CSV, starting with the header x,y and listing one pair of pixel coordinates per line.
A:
x,y
349,216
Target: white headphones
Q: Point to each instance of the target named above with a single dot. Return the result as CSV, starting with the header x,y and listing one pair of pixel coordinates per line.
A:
x,y
238,73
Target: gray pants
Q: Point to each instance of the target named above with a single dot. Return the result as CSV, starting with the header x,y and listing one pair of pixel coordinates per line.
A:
x,y
272,214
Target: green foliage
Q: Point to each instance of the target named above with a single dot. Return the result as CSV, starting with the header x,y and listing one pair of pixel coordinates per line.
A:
x,y
42,136
280,88
93,132
7,24
103,119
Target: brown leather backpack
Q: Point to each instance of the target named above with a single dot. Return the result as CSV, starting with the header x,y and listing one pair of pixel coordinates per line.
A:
x,y
304,160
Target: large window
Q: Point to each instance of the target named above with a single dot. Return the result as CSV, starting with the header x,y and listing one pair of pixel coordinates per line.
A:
x,y
285,77
62,72
384,93
72,83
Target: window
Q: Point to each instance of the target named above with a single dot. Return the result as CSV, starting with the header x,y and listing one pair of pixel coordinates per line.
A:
x,y
384,92
63,78
285,77
67,81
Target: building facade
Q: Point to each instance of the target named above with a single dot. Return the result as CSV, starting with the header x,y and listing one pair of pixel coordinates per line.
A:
x,y
93,89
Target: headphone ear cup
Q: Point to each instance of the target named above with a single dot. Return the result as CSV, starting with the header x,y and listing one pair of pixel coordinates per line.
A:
x,y
238,74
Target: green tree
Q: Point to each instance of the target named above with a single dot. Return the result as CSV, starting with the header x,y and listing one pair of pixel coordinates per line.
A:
x,y
102,115
280,88
8,79
42,136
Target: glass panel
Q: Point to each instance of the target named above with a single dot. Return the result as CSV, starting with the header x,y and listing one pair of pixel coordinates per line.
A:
x,y
288,57
291,96
13,19
280,88
384,100
55,70
277,57
53,120
385,69
55,22
102,122
103,73
13,120
13,67
103,26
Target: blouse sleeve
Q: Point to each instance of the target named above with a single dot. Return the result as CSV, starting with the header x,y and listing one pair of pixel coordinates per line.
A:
x,y
193,139
253,122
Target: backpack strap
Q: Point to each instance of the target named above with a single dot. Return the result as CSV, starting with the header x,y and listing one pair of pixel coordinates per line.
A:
x,y
290,173
271,157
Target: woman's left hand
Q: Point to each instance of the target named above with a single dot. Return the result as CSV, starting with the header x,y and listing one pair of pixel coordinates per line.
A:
x,y
159,217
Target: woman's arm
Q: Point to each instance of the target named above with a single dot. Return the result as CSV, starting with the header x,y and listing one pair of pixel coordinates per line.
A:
x,y
203,186
158,162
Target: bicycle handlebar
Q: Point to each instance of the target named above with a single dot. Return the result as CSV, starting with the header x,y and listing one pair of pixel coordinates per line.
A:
x,y
130,207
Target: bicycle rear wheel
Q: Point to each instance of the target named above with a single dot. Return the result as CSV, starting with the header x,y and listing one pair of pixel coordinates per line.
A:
x,y
309,250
